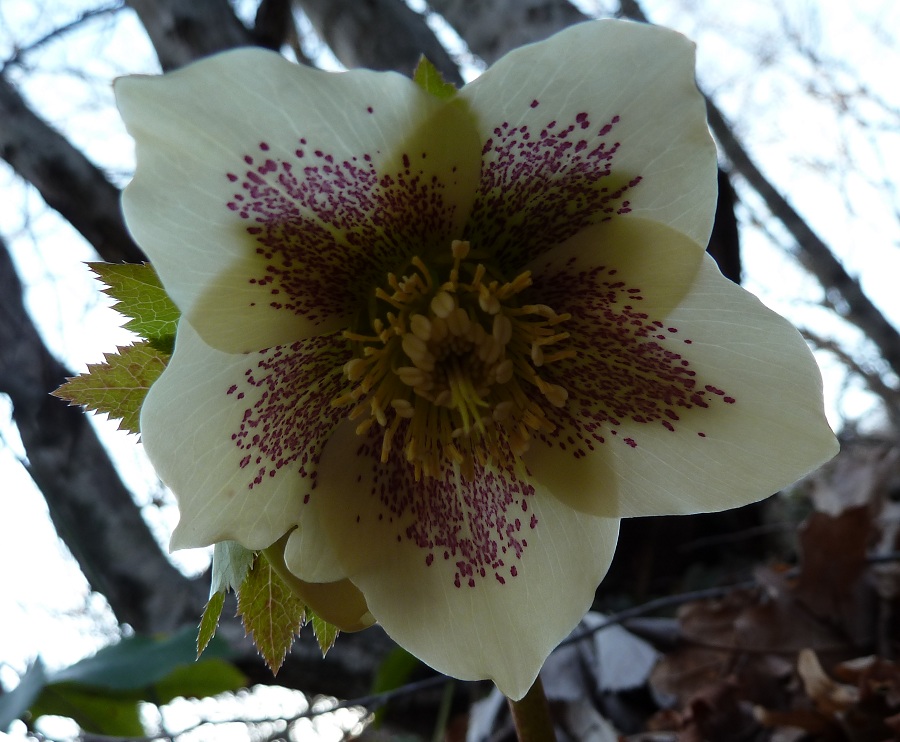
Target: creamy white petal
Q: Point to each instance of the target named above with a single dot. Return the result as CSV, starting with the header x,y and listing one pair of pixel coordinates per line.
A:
x,y
237,436
687,395
271,197
600,121
478,579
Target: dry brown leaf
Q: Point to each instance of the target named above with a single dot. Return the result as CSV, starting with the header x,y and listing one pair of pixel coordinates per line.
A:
x,y
829,697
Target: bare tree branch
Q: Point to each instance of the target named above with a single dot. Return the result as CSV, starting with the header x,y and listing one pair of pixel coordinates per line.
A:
x,y
90,506
491,28
890,396
21,52
66,179
379,34
844,292
850,301
182,32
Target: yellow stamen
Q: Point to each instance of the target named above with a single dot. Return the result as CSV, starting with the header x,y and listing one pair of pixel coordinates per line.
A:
x,y
453,369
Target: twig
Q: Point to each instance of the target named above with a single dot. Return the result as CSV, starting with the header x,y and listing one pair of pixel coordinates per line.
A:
x,y
21,51
874,380
812,252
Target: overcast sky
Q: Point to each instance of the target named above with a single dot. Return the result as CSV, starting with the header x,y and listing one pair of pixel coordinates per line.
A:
x,y
833,168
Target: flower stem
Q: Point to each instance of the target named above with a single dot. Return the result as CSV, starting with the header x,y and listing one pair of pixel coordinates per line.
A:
x,y
531,715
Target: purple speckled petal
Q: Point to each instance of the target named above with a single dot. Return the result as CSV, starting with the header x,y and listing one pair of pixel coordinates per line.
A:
x,y
686,395
622,131
238,437
494,565
269,212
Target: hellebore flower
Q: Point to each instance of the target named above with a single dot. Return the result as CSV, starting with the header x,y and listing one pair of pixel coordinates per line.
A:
x,y
437,347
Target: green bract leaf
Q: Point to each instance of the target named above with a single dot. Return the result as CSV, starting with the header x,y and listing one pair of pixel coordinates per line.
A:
x,y
229,566
140,296
117,387
431,81
326,633
209,622
271,612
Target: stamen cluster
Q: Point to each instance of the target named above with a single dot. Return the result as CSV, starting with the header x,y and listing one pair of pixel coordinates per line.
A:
x,y
452,368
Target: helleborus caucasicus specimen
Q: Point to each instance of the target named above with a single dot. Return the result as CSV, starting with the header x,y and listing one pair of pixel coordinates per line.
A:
x,y
434,347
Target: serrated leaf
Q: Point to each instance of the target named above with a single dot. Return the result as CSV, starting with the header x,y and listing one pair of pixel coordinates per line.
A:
x,y
209,622
230,563
118,386
431,81
272,614
140,295
326,633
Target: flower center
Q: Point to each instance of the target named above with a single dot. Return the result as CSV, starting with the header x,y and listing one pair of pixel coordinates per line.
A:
x,y
452,370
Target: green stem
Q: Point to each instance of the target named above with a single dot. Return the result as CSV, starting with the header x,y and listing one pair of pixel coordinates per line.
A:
x,y
531,716
443,716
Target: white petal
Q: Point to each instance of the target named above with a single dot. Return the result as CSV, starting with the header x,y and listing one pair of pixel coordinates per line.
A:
x,y
572,123
272,197
237,437
687,394
392,535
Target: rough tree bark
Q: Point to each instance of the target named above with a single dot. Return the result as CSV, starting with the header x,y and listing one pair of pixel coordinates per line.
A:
x,y
494,27
378,34
182,32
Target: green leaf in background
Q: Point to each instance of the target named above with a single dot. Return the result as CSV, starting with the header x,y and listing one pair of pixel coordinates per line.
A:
x,y
102,693
118,386
326,633
394,671
98,712
137,661
209,622
431,81
139,294
272,614
208,677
